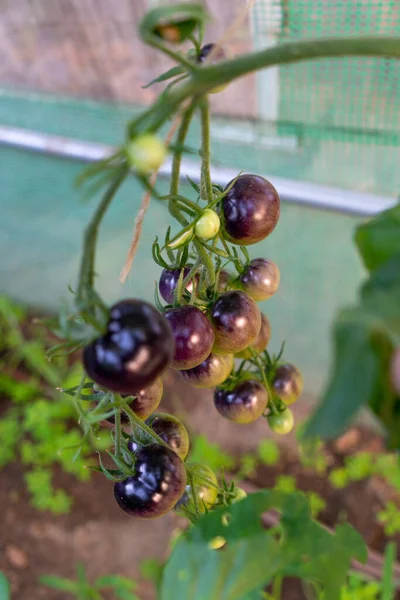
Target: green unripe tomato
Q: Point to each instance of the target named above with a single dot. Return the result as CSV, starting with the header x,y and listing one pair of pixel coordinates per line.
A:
x,y
240,494
207,226
146,153
281,423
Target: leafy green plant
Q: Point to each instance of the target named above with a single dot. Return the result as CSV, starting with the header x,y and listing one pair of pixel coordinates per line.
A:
x,y
38,425
122,587
366,338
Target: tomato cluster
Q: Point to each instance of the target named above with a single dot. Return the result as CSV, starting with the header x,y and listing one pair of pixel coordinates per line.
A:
x,y
213,332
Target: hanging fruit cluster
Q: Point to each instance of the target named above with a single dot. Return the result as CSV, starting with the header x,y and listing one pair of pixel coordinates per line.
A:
x,y
209,328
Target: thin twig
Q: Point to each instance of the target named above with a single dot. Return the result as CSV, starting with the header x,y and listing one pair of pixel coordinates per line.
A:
x,y
138,224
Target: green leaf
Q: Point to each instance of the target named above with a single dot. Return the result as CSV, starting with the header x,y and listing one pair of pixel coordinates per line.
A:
x,y
178,70
379,239
115,581
388,587
210,454
60,583
268,452
4,587
353,380
172,23
252,555
386,277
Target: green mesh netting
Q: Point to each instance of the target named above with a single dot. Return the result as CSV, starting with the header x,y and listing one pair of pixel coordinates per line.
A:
x,y
344,113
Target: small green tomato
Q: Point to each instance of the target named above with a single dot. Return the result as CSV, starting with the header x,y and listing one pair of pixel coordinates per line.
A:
x,y
146,153
207,226
281,423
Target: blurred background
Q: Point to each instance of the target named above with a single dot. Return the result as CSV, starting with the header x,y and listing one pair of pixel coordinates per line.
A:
x,y
326,133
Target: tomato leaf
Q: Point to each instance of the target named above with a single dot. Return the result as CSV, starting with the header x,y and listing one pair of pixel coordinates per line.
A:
x,y
178,70
306,550
60,583
379,239
353,379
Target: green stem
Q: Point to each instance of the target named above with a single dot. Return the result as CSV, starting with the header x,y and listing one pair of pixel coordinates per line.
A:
x,y
86,274
206,78
206,191
259,364
142,425
207,260
117,432
277,587
176,165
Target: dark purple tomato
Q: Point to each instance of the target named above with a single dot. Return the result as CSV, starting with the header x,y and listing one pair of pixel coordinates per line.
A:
x,y
172,431
282,422
261,341
287,383
193,334
158,483
205,489
224,278
236,320
169,281
260,279
250,210
136,349
211,372
144,403
244,404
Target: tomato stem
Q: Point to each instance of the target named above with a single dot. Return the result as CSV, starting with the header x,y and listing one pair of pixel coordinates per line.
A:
x,y
87,268
206,191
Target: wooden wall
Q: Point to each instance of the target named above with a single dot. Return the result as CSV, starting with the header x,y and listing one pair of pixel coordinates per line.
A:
x,y
90,48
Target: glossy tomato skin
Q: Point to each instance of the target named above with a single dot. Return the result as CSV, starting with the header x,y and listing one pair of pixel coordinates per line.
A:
x,y
137,348
172,431
157,485
281,423
250,210
262,340
144,403
168,283
224,278
193,335
205,485
211,372
244,403
260,279
236,320
287,383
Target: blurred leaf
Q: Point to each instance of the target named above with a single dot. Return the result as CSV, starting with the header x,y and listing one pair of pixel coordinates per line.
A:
x,y
306,550
210,454
152,570
178,70
268,452
388,587
4,587
379,239
352,383
385,277
60,583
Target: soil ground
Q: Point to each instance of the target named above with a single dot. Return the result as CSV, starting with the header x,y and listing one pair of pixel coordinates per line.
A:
x,y
97,534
